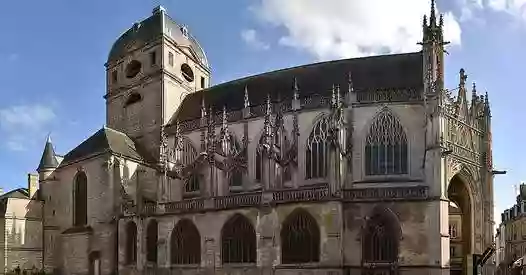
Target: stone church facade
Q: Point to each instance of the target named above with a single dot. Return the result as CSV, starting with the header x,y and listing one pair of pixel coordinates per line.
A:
x,y
341,167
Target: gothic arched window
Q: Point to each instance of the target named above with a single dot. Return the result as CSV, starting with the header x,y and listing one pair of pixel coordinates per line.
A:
x,y
317,152
185,153
300,238
380,243
386,146
192,184
229,143
185,243
131,243
80,199
238,241
259,159
151,242
236,178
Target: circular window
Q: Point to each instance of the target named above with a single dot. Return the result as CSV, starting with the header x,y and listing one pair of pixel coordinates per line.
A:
x,y
133,68
188,74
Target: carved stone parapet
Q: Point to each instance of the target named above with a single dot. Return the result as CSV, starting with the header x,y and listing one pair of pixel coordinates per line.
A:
x,y
387,193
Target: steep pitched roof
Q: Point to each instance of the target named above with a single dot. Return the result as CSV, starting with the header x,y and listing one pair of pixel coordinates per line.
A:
x,y
103,141
48,159
19,193
396,71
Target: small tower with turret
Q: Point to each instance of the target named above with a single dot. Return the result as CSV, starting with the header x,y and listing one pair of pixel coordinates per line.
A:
x,y
48,161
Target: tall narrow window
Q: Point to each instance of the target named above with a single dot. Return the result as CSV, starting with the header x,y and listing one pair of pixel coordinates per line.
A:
x,y
131,243
236,178
386,146
238,241
317,152
170,59
259,160
185,244
300,238
80,199
153,58
202,82
151,242
192,184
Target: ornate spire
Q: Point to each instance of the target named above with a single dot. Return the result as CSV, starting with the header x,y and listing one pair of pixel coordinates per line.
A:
x,y
432,15
351,85
48,159
338,97
224,126
333,99
203,107
247,102
295,88
474,92
268,126
463,77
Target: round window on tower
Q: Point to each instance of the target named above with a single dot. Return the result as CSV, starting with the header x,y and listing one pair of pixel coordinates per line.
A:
x,y
133,68
188,74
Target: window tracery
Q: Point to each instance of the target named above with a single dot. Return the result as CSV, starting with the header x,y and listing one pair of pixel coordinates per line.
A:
x,y
131,243
317,152
300,238
238,241
151,242
386,146
192,183
185,244
380,242
184,153
80,199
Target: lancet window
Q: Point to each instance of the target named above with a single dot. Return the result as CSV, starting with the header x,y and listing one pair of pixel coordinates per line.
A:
x,y
238,241
185,244
300,238
151,241
259,159
192,183
386,150
227,144
317,152
380,243
80,199
236,178
131,243
185,152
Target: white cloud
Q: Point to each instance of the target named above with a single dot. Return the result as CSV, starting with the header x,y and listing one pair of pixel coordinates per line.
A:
x,y
343,28
250,36
20,124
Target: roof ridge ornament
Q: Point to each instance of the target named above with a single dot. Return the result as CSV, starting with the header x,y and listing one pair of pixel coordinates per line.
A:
x,y
247,102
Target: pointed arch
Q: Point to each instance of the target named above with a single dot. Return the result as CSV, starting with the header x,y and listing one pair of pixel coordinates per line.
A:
x,y
300,238
185,243
234,147
317,149
381,237
187,151
151,241
259,158
131,243
80,199
238,241
386,148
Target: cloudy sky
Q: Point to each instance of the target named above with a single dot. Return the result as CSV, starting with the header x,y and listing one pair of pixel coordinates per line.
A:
x,y
52,59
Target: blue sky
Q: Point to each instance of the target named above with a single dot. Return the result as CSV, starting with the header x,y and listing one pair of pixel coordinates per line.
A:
x,y
52,59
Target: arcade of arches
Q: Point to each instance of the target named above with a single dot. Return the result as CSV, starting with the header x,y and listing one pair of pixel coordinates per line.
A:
x,y
300,240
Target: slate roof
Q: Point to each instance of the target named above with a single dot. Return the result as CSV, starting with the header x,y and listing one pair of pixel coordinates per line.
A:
x,y
48,159
150,29
19,193
396,71
105,140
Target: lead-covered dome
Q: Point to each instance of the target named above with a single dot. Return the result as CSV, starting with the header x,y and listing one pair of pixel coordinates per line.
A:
x,y
152,28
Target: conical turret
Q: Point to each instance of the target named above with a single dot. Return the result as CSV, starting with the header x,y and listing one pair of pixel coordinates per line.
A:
x,y
48,160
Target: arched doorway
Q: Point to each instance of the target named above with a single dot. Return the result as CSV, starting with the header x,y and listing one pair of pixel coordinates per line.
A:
x,y
460,225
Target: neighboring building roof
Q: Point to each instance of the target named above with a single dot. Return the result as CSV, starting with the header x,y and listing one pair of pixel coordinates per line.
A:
x,y
152,28
19,193
397,71
48,159
103,141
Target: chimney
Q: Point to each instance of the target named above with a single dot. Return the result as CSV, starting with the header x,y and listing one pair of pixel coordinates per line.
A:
x,y
32,185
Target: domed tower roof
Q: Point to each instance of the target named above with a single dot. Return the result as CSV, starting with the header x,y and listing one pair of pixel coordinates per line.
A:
x,y
151,28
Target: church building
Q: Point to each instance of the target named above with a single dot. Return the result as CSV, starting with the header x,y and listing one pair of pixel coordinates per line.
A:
x,y
343,167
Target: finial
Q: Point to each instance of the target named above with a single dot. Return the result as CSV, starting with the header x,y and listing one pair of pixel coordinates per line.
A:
x,y
474,89
247,103
338,98
295,88
269,105
158,9
463,78
225,118
432,16
203,107
351,85
424,21
441,20
48,139
333,100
